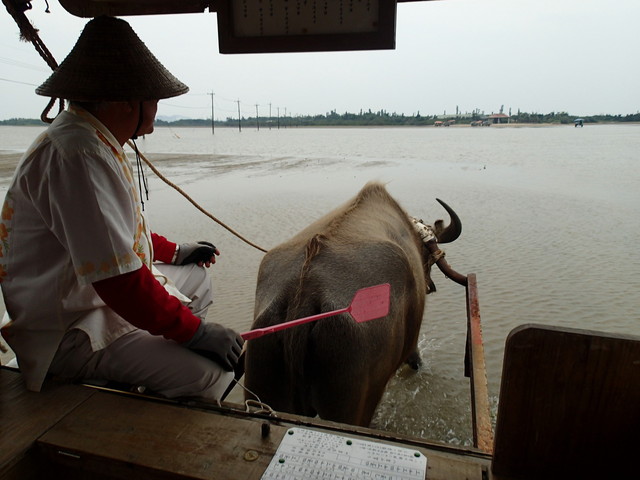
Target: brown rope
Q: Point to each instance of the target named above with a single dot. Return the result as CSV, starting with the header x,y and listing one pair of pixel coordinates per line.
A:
x,y
47,109
30,34
437,256
193,202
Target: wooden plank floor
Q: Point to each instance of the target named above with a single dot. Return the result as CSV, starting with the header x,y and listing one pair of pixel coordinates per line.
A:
x,y
128,435
25,416
99,435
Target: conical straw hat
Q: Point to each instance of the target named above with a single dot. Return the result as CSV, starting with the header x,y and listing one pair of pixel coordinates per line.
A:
x,y
110,63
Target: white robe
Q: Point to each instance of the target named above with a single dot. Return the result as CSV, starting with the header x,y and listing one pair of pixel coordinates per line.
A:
x,y
71,217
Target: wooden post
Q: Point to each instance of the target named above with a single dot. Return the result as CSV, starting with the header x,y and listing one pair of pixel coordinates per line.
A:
x,y
239,121
257,118
212,115
482,427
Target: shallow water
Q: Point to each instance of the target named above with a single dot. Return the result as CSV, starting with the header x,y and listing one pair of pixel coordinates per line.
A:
x,y
550,219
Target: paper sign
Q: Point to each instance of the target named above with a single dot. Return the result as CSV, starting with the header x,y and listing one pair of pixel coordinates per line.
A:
x,y
309,454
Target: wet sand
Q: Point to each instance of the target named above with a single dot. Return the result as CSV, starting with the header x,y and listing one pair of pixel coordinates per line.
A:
x,y
8,162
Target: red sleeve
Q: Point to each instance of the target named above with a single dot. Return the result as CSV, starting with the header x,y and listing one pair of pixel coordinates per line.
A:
x,y
140,299
163,249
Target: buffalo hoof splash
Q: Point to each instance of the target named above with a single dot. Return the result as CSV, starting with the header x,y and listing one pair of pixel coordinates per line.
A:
x,y
414,360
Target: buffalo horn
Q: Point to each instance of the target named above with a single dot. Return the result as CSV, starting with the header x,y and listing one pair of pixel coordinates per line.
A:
x,y
454,229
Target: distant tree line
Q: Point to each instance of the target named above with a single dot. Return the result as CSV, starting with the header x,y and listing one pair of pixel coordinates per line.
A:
x,y
565,118
384,118
368,118
23,122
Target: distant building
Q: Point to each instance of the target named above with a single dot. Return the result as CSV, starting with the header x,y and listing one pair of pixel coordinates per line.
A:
x,y
499,118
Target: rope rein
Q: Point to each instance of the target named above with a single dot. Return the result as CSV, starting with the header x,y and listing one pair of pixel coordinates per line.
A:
x,y
193,202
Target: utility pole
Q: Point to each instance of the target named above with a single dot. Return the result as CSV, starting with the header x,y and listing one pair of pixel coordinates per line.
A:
x,y
285,117
270,117
257,118
212,115
278,118
239,121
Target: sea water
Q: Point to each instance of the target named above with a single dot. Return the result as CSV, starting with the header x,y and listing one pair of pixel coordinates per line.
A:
x,y
550,225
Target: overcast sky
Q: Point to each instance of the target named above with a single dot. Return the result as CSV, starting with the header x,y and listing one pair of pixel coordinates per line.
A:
x,y
578,56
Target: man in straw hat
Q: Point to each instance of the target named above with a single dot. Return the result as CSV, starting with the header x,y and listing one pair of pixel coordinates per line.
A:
x,y
79,267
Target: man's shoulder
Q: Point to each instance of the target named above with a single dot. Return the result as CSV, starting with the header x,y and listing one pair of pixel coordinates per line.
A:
x,y
69,128
64,146
71,136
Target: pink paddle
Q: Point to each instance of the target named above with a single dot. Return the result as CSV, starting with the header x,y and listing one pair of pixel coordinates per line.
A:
x,y
368,304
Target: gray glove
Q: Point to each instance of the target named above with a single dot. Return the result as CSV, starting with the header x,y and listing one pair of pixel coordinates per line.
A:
x,y
201,252
217,343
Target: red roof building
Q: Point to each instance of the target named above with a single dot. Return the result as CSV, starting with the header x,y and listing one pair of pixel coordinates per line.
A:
x,y
499,118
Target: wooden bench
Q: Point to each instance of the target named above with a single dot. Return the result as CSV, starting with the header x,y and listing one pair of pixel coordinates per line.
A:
x,y
569,405
25,416
77,432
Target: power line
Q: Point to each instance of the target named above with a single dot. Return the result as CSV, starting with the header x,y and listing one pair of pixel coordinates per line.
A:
x,y
181,106
18,63
16,81
227,99
240,109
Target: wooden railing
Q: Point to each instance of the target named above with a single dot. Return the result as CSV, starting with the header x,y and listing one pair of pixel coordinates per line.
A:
x,y
475,369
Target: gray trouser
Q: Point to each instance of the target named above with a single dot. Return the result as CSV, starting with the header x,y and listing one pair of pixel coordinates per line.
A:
x,y
141,359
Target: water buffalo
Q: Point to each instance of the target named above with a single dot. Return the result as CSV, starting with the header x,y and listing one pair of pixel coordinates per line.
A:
x,y
337,368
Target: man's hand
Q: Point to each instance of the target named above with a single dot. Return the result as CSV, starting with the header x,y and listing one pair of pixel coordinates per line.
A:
x,y
218,343
202,253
